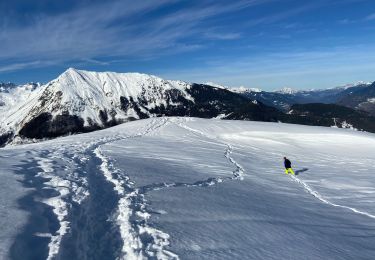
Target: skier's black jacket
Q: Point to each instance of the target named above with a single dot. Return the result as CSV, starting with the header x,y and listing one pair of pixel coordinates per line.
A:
x,y
287,164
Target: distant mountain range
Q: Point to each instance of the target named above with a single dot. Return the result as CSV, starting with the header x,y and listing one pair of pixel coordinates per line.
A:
x,y
359,97
82,101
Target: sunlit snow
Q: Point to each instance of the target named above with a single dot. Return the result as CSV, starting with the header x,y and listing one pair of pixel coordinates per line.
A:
x,y
187,188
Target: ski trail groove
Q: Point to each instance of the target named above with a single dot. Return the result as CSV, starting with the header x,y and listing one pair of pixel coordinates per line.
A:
x,y
314,193
159,186
130,241
71,189
59,206
238,173
140,241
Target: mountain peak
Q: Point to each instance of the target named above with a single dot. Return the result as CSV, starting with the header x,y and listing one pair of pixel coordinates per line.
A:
x,y
243,89
71,71
287,91
77,76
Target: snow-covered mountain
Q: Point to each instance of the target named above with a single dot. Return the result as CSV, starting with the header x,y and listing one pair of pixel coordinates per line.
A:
x,y
244,90
84,100
213,84
287,90
350,85
5,87
240,89
81,101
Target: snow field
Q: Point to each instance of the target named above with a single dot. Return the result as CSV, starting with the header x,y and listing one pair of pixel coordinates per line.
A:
x,y
325,159
192,188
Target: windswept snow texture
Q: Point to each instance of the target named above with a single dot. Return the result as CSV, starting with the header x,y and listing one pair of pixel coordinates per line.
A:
x,y
186,188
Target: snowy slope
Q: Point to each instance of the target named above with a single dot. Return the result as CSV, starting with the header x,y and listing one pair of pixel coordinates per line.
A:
x,y
11,97
186,188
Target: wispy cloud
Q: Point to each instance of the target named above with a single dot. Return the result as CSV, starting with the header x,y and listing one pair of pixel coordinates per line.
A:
x,y
370,17
301,69
121,28
23,65
346,21
278,16
256,39
223,36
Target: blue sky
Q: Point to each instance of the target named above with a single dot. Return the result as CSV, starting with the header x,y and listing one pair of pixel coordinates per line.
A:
x,y
268,44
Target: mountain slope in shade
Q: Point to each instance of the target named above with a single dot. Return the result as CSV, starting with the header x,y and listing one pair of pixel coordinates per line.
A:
x,y
331,115
360,98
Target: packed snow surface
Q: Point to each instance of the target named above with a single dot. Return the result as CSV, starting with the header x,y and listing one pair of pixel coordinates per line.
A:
x,y
187,188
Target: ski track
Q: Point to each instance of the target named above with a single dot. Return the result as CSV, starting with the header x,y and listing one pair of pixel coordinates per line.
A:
x,y
72,189
238,173
72,186
314,193
60,207
140,241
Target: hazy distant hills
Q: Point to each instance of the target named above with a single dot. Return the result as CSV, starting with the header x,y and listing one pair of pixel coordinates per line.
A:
x,y
360,98
350,96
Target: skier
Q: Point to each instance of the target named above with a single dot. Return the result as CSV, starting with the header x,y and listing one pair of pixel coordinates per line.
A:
x,y
288,166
